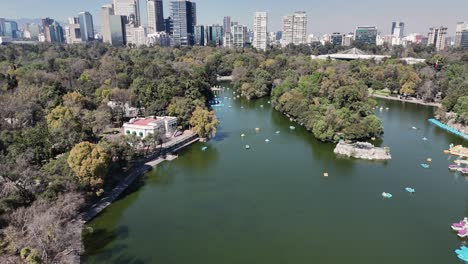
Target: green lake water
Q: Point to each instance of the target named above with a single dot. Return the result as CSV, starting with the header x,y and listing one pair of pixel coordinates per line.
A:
x,y
271,204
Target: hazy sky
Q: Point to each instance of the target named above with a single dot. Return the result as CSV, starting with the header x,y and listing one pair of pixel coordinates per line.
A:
x,y
324,16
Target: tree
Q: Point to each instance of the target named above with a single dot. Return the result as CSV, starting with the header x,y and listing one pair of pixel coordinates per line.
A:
x,y
204,122
65,127
90,163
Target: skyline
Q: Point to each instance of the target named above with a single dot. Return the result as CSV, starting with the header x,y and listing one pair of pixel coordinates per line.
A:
x,y
332,16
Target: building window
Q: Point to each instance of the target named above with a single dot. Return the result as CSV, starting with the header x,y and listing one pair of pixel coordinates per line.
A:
x,y
128,132
141,134
134,133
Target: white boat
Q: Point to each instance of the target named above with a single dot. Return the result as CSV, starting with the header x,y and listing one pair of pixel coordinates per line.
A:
x,y
387,195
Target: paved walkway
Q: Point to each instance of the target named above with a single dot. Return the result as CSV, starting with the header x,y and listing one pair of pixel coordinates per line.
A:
x,y
183,141
414,101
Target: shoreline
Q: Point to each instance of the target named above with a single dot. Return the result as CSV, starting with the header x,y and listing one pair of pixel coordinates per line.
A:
x,y
415,101
132,174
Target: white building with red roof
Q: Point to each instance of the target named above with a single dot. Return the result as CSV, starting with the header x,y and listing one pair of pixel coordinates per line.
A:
x,y
142,127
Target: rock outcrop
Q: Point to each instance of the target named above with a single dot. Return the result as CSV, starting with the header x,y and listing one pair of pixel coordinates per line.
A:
x,y
362,150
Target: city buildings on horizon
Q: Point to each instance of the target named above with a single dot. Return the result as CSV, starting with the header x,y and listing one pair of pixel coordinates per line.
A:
x,y
121,24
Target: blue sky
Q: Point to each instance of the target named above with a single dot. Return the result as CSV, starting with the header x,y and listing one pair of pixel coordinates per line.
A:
x,y
324,16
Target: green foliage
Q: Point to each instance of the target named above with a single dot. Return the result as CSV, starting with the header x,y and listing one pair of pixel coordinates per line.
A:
x,y
204,122
90,164
461,108
30,255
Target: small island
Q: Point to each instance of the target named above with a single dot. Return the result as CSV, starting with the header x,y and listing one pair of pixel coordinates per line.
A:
x,y
362,150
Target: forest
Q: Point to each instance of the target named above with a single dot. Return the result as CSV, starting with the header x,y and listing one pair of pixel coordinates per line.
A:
x,y
56,155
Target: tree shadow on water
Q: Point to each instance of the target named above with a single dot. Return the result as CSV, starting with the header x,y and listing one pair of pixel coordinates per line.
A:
x,y
97,240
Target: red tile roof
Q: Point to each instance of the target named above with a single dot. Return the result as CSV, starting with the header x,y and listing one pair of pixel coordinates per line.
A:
x,y
144,122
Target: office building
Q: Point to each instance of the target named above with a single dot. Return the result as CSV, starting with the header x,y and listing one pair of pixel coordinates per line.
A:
x,y
73,31
348,39
464,39
199,35
86,26
437,37
461,27
336,39
155,16
135,35
366,35
214,35
398,29
184,19
53,32
294,29
2,27
113,26
227,24
260,31
130,9
168,25
10,29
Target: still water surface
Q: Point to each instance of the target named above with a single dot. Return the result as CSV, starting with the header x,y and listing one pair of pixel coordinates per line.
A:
x,y
271,204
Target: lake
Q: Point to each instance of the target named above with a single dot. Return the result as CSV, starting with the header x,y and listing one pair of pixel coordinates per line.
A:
x,y
271,204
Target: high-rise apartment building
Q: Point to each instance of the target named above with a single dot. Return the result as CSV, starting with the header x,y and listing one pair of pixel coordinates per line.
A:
x,y
227,24
260,31
184,19
437,37
169,25
398,29
461,27
294,29
136,35
130,9
2,26
155,16
106,12
239,36
348,39
366,35
464,39
86,26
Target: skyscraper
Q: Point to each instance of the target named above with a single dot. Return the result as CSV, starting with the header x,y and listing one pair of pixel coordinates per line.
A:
x,y
73,31
155,16
53,32
398,29
227,24
2,27
366,35
199,35
10,28
86,26
113,26
214,35
260,38
184,18
128,8
437,37
169,25
295,29
461,27
239,34
336,39
106,12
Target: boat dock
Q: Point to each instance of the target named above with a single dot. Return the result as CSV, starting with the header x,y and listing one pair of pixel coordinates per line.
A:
x,y
449,129
167,153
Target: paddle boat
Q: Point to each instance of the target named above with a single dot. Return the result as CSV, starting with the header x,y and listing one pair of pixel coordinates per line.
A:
x,y
257,129
277,132
414,127
387,195
386,108
268,102
460,225
462,253
464,171
247,147
453,167
292,127
325,174
267,140
410,190
462,233
242,107
261,106
429,159
425,166
381,108
242,135
425,139
204,148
